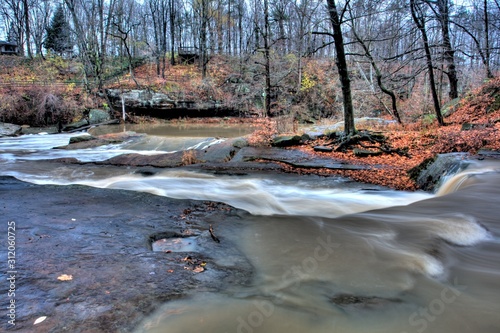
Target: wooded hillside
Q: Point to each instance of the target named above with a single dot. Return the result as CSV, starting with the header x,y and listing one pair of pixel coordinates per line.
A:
x,y
270,57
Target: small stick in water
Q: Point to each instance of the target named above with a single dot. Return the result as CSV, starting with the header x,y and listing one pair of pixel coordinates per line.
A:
x,y
212,234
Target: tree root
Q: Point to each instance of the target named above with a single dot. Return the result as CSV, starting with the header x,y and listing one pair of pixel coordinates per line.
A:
x,y
378,143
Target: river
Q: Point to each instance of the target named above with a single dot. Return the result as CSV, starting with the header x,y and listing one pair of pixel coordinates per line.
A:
x,y
329,255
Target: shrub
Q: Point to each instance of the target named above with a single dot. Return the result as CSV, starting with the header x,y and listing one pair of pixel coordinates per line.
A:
x,y
189,157
37,105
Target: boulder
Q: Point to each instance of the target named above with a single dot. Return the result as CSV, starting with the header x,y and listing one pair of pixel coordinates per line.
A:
x,y
450,107
365,122
432,171
7,129
286,141
81,138
76,125
98,116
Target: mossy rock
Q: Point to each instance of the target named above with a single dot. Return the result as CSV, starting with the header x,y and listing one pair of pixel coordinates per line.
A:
x,y
286,141
98,116
450,107
431,172
495,105
81,138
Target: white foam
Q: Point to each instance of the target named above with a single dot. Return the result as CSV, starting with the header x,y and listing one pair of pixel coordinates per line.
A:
x,y
458,229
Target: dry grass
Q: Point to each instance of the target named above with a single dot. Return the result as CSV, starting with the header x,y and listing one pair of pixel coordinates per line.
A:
x,y
189,157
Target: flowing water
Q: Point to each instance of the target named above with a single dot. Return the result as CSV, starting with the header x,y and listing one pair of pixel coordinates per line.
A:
x,y
329,255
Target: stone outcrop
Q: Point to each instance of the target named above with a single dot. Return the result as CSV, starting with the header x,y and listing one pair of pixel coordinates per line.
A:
x,y
430,172
7,129
160,105
135,99
86,260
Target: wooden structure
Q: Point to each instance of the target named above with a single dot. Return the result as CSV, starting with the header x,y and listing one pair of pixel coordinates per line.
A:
x,y
8,48
188,54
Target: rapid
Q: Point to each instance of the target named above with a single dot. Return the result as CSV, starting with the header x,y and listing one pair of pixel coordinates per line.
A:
x,y
329,255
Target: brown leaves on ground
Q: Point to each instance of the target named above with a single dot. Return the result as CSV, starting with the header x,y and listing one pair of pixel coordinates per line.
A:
x,y
194,265
473,126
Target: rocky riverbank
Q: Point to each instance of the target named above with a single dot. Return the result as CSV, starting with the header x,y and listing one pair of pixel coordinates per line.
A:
x,y
84,259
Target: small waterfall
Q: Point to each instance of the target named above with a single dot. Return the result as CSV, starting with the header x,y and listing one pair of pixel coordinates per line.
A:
x,y
469,176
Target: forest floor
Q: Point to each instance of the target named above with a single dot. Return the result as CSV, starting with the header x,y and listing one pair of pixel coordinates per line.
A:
x,y
472,127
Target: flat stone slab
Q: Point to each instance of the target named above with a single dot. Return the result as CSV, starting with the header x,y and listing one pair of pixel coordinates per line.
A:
x,y
233,154
84,257
293,157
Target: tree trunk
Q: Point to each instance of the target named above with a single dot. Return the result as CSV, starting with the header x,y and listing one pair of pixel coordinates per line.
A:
x,y
378,76
172,32
449,58
27,28
203,38
420,23
487,40
345,81
267,60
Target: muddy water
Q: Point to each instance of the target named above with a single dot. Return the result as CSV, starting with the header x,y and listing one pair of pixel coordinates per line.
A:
x,y
179,130
329,256
430,266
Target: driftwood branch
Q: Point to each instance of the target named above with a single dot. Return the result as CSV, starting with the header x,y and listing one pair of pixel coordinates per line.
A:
x,y
86,127
211,230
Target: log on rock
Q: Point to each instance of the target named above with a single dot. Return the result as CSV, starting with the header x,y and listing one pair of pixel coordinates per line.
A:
x,y
87,126
366,153
323,149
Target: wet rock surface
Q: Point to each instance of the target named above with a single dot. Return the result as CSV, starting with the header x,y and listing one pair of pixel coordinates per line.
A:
x,y
7,129
364,302
430,172
234,155
102,239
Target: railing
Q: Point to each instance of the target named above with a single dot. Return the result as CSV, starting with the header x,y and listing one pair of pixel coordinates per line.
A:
x,y
187,50
26,83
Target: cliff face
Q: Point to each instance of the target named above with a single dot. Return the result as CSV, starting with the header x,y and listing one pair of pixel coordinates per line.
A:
x,y
160,105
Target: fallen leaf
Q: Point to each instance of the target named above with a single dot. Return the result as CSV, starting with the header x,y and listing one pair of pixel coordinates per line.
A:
x,y
65,277
198,269
39,320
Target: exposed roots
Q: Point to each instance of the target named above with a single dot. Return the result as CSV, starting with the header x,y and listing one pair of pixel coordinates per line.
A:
x,y
366,143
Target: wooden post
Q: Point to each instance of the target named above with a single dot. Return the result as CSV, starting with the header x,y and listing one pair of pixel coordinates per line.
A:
x,y
123,108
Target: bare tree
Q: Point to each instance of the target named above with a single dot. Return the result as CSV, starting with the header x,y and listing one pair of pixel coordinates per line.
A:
x,y
92,23
158,10
12,11
419,19
345,81
123,35
27,29
442,14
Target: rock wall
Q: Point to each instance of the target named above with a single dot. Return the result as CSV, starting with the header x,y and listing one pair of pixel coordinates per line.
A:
x,y
159,105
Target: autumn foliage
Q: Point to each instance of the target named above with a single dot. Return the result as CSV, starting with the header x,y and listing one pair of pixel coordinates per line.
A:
x,y
40,93
474,125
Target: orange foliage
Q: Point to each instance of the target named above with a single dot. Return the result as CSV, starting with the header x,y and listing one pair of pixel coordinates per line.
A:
x,y
473,126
